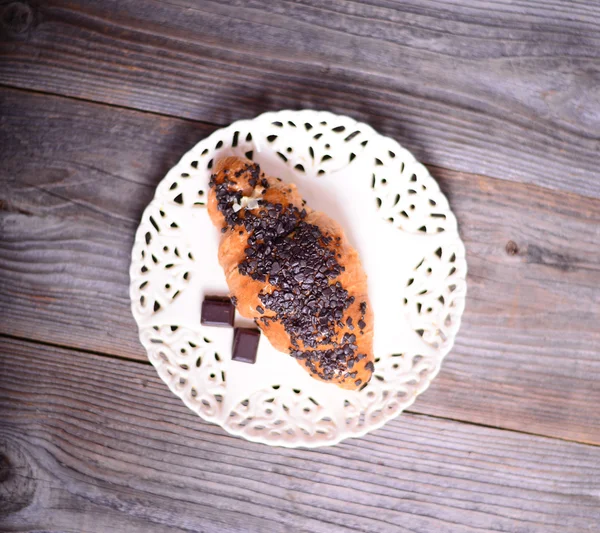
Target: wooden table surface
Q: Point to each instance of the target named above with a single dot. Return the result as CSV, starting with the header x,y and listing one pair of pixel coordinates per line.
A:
x,y
500,99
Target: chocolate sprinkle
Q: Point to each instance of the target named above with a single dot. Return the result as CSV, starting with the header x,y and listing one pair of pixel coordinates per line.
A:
x,y
299,261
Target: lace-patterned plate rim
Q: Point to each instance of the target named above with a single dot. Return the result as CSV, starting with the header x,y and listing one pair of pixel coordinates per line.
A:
x,y
395,172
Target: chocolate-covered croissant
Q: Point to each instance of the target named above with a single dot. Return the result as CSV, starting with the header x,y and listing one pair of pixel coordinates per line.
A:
x,y
292,270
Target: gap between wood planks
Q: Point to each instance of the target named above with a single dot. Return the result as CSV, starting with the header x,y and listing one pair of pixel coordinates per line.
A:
x,y
217,125
409,411
107,104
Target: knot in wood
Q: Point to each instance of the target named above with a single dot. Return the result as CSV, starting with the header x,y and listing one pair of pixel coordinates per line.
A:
x,y
16,18
17,479
512,248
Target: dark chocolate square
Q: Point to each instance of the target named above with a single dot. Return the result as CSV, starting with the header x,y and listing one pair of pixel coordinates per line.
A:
x,y
245,344
217,312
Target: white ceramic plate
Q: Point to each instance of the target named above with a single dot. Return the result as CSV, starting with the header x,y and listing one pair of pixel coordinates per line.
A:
x,y
393,213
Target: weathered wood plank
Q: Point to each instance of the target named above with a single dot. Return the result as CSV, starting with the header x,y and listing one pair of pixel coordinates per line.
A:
x,y
88,443
74,185
526,357
530,332
495,88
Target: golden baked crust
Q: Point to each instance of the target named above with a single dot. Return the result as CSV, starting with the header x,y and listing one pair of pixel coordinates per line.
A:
x,y
292,270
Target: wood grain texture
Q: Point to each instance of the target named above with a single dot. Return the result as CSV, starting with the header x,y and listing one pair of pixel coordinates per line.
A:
x,y
74,185
77,176
88,443
530,332
504,89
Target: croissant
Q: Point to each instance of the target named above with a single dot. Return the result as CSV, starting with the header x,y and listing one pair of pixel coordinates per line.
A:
x,y
292,271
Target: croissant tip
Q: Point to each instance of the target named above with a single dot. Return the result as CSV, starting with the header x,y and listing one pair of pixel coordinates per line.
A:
x,y
230,161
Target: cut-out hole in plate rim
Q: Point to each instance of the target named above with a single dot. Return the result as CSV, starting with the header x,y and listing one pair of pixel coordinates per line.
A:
x,y
392,211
